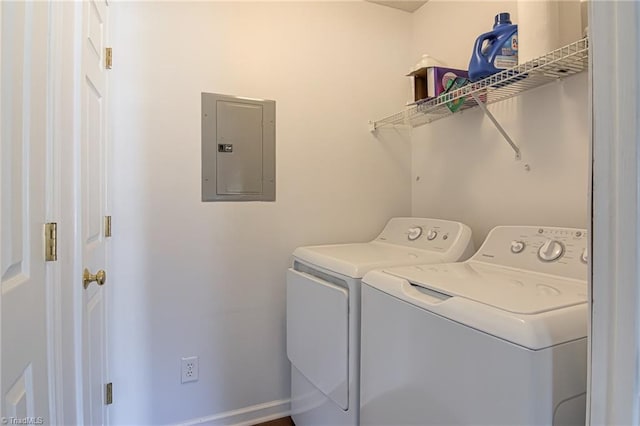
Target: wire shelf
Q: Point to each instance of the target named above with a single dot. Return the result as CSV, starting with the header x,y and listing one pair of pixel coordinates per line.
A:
x,y
568,60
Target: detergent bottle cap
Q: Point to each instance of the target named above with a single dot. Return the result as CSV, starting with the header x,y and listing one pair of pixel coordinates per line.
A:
x,y
502,19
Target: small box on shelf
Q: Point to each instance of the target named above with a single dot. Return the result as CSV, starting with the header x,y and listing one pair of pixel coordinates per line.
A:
x,y
430,82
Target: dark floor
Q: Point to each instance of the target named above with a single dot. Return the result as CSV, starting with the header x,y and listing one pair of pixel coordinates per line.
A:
x,y
285,421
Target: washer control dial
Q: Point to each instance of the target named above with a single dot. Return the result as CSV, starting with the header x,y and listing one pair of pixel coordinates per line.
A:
x,y
584,257
517,246
550,251
414,233
432,234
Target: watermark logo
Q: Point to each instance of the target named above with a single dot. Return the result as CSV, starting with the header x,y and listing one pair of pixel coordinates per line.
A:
x,y
22,420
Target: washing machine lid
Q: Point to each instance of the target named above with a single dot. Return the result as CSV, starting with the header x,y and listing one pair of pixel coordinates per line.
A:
x,y
355,260
533,324
508,289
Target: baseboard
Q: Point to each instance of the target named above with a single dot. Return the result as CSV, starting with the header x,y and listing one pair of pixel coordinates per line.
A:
x,y
245,416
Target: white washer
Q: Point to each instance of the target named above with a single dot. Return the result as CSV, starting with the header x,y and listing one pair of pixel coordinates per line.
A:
x,y
497,340
323,310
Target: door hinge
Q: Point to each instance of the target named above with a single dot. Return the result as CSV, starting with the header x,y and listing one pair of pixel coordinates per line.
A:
x,y
107,226
108,394
51,242
108,58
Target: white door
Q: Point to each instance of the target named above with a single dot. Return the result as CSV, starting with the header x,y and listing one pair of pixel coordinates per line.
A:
x,y
93,206
25,144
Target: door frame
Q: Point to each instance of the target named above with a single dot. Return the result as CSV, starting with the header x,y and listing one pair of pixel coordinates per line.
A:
x,y
67,33
1,390
53,208
614,346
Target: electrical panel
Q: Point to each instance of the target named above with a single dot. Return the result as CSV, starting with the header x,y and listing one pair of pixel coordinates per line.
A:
x,y
238,148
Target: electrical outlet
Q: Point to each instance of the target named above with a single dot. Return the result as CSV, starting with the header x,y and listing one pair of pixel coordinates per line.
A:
x,y
189,369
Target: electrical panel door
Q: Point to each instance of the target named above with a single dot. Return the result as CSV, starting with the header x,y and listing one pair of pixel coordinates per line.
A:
x,y
239,139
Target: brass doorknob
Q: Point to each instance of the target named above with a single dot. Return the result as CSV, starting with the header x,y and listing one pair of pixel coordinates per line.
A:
x,y
87,277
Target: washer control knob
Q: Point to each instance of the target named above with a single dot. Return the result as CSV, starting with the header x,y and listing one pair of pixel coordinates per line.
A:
x,y
551,250
414,233
432,234
584,257
517,246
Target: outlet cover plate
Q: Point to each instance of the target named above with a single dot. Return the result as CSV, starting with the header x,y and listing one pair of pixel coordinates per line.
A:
x,y
189,369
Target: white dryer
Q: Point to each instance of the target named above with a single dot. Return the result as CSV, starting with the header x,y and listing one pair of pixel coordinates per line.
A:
x,y
500,339
323,310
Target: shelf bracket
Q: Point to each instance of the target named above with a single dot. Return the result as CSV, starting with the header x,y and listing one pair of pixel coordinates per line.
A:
x,y
504,134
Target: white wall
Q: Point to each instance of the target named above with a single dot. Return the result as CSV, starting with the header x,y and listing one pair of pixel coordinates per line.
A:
x,y
464,170
208,279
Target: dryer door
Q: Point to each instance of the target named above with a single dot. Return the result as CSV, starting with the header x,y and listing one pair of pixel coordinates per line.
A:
x,y
318,333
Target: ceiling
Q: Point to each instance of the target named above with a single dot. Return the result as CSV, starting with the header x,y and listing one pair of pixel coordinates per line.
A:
x,y
407,6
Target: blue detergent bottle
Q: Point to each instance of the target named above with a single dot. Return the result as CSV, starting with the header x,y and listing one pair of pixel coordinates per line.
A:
x,y
496,50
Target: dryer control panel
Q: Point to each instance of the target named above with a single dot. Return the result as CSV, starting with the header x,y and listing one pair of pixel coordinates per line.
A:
x,y
427,234
551,250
